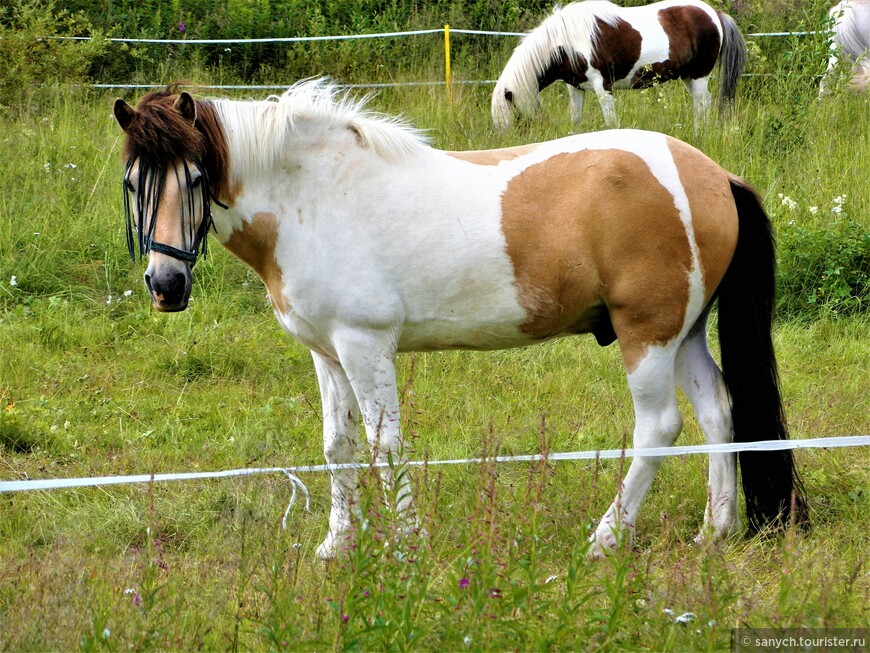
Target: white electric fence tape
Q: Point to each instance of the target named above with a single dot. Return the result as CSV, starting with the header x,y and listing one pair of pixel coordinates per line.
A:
x,y
296,482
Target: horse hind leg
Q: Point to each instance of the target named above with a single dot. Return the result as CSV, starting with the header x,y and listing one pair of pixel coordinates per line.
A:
x,y
701,99
700,379
657,424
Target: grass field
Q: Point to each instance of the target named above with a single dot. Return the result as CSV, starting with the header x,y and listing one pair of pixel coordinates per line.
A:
x,y
93,382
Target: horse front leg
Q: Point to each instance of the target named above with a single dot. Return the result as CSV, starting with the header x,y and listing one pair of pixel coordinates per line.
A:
x,y
340,446
368,359
577,96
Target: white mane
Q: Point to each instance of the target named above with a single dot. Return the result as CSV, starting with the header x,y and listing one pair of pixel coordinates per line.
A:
x,y
258,132
575,27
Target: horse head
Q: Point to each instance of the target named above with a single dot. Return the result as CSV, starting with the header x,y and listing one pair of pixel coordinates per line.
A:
x,y
167,191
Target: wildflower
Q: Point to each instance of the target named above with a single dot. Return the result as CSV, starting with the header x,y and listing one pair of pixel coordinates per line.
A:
x,y
685,618
13,281
136,598
467,640
550,579
109,300
345,618
106,633
668,612
46,167
814,209
182,27
837,209
127,293
463,583
788,202
70,166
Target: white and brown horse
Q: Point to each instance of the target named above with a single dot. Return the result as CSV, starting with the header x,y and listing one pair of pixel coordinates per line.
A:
x,y
371,243
597,46
850,42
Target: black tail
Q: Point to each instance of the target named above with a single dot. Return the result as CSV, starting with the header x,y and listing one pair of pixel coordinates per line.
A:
x,y
746,297
732,59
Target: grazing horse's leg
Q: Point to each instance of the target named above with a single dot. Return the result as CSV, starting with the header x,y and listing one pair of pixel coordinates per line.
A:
x,y
701,380
701,99
605,99
577,96
368,360
340,443
657,424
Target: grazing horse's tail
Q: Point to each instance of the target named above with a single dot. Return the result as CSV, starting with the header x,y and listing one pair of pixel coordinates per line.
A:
x,y
746,297
732,59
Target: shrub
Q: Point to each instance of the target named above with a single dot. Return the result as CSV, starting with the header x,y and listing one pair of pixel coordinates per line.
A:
x,y
32,53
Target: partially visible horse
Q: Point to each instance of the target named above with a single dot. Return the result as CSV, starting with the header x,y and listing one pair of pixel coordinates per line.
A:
x,y
370,243
850,42
597,46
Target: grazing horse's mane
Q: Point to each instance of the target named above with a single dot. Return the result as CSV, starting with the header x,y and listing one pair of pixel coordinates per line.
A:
x,y
258,132
575,26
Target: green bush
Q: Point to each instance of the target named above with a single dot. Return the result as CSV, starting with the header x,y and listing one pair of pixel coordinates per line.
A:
x,y
32,53
824,269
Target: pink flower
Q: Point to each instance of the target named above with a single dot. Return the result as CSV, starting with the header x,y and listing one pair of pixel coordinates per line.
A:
x,y
463,583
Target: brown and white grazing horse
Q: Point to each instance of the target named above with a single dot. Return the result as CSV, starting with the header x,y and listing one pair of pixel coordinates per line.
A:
x,y
371,243
850,41
597,46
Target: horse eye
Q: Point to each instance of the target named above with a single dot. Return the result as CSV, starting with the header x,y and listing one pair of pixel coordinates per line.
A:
x,y
509,96
196,182
129,186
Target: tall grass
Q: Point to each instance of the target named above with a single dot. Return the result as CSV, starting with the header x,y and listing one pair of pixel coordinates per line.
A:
x,y
93,382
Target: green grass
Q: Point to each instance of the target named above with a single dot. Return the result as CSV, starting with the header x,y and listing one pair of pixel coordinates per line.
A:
x,y
92,387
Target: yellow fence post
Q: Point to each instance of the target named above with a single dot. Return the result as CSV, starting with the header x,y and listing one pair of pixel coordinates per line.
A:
x,y
447,58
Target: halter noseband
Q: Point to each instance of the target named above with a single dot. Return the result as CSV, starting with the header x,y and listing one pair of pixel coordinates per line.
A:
x,y
150,187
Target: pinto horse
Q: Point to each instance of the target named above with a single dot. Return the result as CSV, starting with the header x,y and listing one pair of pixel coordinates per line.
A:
x,y
370,242
597,46
850,41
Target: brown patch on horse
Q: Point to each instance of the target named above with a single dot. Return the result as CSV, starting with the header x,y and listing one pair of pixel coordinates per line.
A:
x,y
564,65
255,244
616,51
694,41
493,157
714,216
158,135
607,241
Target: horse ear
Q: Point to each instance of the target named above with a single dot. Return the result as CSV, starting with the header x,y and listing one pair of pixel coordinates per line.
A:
x,y
124,113
186,107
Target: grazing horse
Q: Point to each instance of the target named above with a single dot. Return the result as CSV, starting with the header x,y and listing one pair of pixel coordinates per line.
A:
x,y
597,46
850,41
370,242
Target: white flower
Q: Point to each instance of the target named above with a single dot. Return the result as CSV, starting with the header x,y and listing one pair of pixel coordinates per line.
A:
x,y
814,209
70,166
685,618
668,612
127,293
787,201
13,281
106,633
550,579
837,210
46,167
109,300
467,640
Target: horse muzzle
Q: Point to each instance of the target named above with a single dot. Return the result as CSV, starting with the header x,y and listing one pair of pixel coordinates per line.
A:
x,y
169,287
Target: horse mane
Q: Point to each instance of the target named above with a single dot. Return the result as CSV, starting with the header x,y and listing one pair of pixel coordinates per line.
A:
x,y
574,26
159,135
258,132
